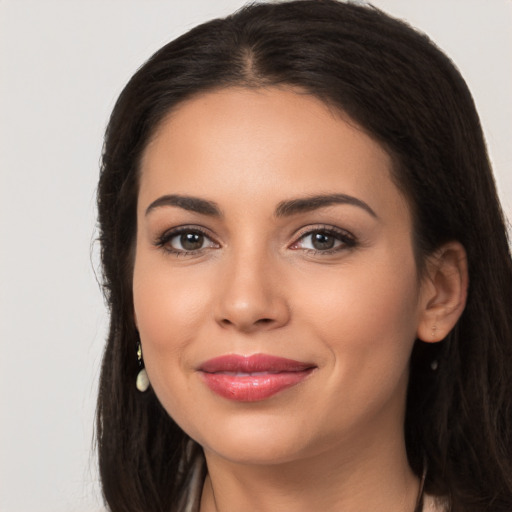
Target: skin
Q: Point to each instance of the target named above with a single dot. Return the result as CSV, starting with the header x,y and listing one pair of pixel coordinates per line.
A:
x,y
257,285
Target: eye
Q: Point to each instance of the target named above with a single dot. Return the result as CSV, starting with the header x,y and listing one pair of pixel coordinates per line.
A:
x,y
325,240
183,241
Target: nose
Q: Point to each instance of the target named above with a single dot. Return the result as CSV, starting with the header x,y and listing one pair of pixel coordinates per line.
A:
x,y
251,297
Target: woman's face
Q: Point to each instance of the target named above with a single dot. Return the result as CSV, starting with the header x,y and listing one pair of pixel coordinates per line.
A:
x,y
269,226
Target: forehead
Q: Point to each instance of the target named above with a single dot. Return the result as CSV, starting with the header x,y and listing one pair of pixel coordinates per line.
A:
x,y
237,143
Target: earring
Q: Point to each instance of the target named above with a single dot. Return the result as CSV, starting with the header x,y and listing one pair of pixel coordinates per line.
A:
x,y
434,365
142,382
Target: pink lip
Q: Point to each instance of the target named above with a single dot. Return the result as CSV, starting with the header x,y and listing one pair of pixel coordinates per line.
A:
x,y
252,378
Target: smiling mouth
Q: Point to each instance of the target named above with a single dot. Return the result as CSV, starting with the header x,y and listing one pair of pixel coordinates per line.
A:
x,y
252,378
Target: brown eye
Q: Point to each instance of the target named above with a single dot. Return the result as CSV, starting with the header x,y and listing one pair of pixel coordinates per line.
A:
x,y
191,241
185,241
328,241
322,241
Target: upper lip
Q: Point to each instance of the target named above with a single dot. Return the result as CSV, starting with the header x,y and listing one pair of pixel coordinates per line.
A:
x,y
253,363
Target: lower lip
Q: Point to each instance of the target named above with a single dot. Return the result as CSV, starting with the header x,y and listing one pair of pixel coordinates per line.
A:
x,y
252,388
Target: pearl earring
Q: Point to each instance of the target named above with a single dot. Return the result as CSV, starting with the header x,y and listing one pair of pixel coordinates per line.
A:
x,y
142,382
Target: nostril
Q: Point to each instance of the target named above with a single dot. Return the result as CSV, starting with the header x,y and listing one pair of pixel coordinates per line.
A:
x,y
260,322
264,321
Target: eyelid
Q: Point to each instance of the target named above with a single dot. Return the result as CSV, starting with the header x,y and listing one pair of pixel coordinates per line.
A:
x,y
347,239
163,240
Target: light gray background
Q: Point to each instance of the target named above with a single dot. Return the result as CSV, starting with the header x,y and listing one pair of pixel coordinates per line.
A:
x,y
62,64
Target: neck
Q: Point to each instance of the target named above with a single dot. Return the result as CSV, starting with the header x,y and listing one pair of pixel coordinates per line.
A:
x,y
366,475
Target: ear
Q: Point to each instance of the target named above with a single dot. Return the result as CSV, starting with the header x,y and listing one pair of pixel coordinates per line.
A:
x,y
443,292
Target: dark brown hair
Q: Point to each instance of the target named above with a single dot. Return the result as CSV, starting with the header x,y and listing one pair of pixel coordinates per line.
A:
x,y
408,95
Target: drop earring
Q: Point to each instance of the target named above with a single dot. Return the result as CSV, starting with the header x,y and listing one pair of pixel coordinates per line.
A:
x,y
142,382
434,364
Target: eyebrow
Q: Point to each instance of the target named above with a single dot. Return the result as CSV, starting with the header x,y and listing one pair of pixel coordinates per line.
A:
x,y
193,204
307,204
284,209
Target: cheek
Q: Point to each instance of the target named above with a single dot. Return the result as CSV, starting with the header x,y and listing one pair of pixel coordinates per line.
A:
x,y
367,314
165,298
168,309
366,319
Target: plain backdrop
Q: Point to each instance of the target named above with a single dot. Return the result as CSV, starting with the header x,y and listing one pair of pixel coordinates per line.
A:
x,y
62,64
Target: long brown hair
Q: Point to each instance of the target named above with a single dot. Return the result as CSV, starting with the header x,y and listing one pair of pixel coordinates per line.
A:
x,y
406,94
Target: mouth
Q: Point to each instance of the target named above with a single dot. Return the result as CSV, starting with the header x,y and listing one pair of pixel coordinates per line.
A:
x,y
252,378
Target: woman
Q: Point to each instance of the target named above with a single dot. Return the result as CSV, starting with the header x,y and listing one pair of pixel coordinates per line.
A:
x,y
308,274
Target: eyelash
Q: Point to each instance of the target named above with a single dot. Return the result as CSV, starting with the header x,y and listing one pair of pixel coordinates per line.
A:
x,y
164,240
347,240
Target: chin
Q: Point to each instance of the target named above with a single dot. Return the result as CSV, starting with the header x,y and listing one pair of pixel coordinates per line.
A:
x,y
260,441
249,452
